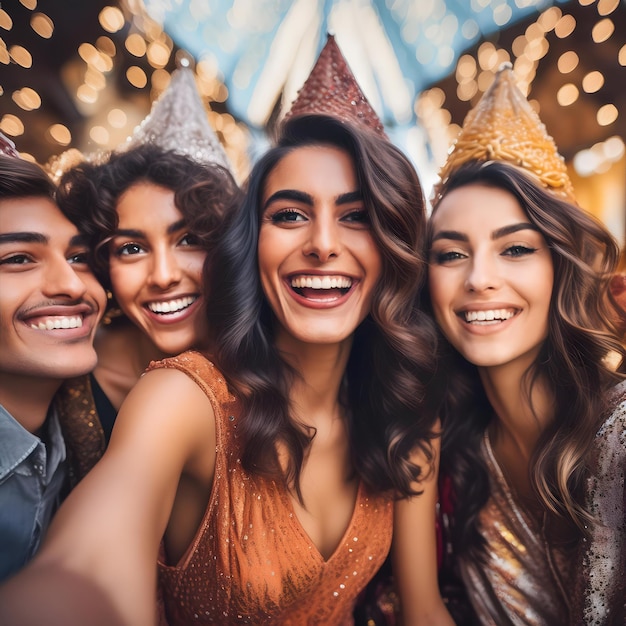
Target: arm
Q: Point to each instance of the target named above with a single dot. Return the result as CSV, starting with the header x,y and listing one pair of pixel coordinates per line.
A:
x,y
414,553
98,563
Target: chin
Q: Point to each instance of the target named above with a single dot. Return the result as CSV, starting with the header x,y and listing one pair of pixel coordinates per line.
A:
x,y
174,349
77,367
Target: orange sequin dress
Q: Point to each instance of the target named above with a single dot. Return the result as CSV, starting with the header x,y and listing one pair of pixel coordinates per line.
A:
x,y
251,562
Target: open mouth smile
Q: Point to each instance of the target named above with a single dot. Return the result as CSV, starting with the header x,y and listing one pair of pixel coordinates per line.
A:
x,y
321,287
58,322
488,316
171,306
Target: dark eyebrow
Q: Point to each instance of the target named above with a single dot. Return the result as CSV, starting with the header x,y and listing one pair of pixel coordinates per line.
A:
x,y
176,226
305,198
513,228
496,234
140,234
23,237
450,234
351,196
289,194
79,240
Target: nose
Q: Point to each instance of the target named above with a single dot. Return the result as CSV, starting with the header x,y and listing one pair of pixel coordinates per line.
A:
x,y
324,241
482,274
165,269
63,280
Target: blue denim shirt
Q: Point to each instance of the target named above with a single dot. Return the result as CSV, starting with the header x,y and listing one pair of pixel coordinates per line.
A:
x,y
31,480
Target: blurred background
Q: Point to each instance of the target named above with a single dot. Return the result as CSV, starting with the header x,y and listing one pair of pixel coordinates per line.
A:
x,y
80,75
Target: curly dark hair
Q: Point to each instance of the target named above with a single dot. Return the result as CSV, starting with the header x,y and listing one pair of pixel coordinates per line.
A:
x,y
581,333
89,192
391,361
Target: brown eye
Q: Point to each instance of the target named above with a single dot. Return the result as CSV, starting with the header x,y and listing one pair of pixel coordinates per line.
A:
x,y
286,216
129,249
517,251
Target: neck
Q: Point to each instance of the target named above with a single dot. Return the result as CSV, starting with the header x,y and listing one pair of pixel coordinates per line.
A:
x,y
27,399
521,414
124,352
320,370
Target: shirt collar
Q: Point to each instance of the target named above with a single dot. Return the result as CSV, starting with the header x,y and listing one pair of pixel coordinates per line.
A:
x,y
17,443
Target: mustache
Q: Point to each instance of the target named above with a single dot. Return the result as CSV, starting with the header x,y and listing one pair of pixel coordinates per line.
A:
x,y
62,302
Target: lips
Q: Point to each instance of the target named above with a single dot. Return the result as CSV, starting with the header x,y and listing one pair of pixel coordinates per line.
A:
x,y
55,323
60,318
488,316
175,305
316,287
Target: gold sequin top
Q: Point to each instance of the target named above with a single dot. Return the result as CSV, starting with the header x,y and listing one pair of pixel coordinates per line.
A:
x,y
251,561
82,430
523,580
527,581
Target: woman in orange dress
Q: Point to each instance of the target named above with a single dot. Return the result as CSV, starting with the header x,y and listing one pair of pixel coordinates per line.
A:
x,y
276,472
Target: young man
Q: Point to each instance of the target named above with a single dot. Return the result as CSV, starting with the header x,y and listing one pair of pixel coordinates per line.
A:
x,y
50,305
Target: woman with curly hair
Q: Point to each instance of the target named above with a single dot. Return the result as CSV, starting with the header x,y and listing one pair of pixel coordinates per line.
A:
x,y
277,480
151,216
534,418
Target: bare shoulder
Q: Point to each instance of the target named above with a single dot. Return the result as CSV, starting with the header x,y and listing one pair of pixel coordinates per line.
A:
x,y
166,404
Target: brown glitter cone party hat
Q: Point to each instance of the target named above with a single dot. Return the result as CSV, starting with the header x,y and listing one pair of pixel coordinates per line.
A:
x,y
7,147
331,89
178,121
504,127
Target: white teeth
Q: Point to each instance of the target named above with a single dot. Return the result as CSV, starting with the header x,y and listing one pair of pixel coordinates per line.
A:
x,y
321,282
54,323
489,316
173,305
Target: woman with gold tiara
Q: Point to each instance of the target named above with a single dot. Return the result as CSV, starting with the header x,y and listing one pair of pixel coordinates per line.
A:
x,y
534,418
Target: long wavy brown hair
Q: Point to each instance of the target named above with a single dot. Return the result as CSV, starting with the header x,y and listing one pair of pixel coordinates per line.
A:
x,y
391,361
581,333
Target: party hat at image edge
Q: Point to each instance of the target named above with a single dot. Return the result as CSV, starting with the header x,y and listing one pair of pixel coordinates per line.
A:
x,y
178,121
7,147
331,89
504,127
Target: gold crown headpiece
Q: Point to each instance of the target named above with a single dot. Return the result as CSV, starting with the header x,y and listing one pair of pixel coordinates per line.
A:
x,y
331,89
504,127
178,121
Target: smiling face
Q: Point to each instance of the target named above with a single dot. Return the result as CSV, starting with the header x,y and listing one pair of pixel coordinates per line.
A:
x,y
491,277
50,302
318,261
155,268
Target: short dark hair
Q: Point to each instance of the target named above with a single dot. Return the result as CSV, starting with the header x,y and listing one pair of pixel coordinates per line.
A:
x,y
21,179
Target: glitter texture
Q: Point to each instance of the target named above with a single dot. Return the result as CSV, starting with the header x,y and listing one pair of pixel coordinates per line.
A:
x,y
251,561
331,89
178,121
600,594
527,580
83,434
504,127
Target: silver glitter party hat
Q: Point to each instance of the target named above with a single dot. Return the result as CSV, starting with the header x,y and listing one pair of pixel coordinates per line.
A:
x,y
178,121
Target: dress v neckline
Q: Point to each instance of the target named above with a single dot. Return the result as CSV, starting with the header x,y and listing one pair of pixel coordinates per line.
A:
x,y
297,524
525,517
